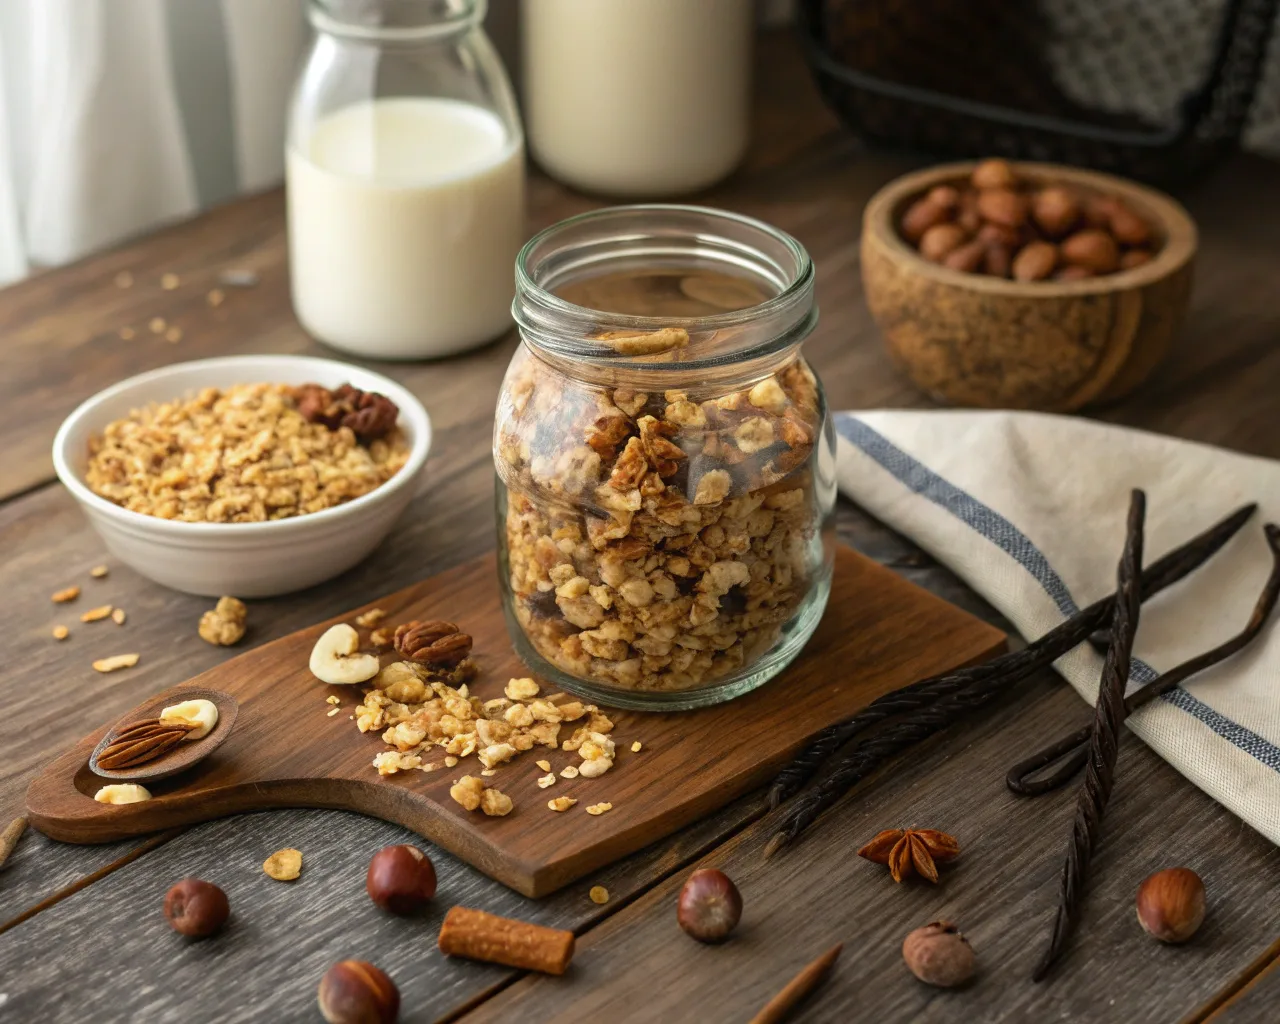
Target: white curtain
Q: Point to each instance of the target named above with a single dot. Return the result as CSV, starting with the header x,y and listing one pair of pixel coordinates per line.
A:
x,y
118,115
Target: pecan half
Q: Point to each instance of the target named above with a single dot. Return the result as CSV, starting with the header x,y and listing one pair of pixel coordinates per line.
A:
x,y
368,414
437,643
141,742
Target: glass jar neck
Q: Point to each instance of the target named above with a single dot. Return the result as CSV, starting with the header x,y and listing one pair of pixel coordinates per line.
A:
x,y
737,344
391,22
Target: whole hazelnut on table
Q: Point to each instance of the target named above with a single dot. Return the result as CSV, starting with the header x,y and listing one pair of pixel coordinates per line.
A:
x,y
1171,904
939,955
401,879
356,992
710,906
196,908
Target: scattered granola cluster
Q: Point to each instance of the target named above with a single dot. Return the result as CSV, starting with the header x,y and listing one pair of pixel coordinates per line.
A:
x,y
423,710
246,454
655,541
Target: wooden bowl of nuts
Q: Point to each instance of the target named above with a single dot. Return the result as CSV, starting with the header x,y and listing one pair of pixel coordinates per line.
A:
x,y
1025,285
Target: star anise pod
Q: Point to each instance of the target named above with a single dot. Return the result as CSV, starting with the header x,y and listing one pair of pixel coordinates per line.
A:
x,y
914,849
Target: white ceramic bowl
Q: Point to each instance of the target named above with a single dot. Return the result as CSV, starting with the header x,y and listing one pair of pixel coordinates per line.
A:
x,y
241,559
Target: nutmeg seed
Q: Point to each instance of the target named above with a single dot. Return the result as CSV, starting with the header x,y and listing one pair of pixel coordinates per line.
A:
x,y
1055,210
920,217
1003,206
1092,248
939,955
946,197
993,173
1171,904
357,992
401,879
710,906
940,240
195,908
1035,261
1128,227
966,258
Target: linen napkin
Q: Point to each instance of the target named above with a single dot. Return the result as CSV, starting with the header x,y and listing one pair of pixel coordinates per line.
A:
x,y
1029,510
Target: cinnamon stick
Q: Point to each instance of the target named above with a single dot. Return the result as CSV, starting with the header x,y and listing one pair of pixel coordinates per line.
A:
x,y
777,1008
10,836
500,940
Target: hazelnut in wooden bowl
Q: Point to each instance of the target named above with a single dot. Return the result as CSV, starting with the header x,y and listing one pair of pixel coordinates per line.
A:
x,y
1025,285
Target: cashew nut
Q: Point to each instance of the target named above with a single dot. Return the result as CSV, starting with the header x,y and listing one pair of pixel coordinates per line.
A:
x,y
336,659
122,793
201,713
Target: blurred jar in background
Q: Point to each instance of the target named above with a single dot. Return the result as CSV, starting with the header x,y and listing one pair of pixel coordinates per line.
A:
x,y
640,98
405,180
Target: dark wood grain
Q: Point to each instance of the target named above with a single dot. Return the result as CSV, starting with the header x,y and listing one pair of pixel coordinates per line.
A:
x,y
129,965
809,177
1000,892
286,750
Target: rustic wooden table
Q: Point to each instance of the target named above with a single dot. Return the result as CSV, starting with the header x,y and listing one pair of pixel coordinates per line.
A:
x,y
82,933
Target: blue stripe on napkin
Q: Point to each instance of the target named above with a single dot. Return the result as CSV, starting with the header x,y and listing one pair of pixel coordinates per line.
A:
x,y
999,531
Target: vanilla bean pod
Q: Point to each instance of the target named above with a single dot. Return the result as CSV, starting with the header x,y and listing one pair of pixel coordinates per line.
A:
x,y
1077,743
1010,667
1104,741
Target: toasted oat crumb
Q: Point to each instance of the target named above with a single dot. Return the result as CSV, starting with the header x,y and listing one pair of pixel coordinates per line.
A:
x,y
242,454
547,780
383,636
495,803
215,296
94,614
599,894
450,761
370,618
561,803
332,711
115,662
124,279
127,333
599,808
430,766
118,616
635,747
224,624
157,325
65,595
173,334
467,791
333,700
544,765
98,571
61,632
284,865
489,771
521,689
569,772
169,281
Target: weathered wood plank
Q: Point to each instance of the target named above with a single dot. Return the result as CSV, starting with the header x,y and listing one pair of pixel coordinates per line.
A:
x,y
129,965
1001,892
38,868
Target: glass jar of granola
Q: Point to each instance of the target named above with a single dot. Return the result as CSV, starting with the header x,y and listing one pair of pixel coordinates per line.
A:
x,y
665,460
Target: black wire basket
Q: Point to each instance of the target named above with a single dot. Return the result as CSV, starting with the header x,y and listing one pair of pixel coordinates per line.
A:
x,y
1158,90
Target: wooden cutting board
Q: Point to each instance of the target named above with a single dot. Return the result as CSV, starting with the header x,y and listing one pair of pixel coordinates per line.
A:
x,y
879,633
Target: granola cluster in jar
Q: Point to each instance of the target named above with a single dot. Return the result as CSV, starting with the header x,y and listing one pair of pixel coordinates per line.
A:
x,y
658,540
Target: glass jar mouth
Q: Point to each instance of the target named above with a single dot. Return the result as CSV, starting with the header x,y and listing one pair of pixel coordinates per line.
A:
x,y
395,21
658,235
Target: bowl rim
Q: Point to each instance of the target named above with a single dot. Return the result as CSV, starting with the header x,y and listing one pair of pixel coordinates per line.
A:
x,y
1181,236
407,402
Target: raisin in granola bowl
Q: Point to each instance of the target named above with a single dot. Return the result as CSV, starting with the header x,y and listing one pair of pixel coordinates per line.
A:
x,y
247,475
664,456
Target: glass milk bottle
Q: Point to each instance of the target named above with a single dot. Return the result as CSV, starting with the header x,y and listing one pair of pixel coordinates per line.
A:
x,y
640,98
405,180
